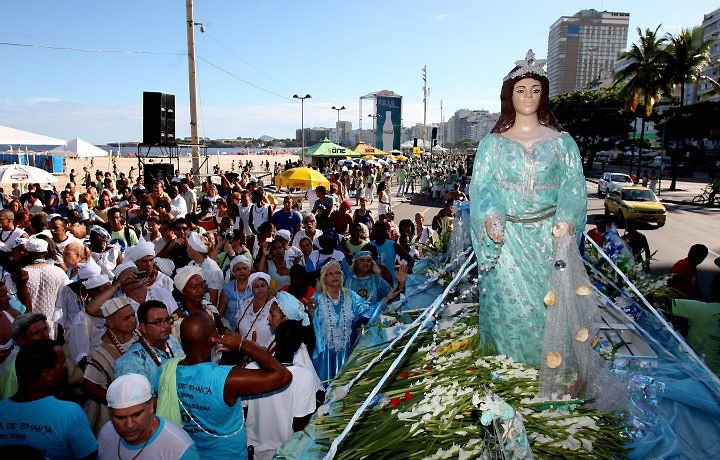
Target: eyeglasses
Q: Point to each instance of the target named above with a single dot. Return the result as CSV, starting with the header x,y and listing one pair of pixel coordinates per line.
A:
x,y
159,322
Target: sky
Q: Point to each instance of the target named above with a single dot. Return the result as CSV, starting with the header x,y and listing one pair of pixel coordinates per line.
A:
x,y
78,68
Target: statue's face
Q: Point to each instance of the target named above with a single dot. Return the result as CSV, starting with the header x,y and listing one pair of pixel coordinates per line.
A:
x,y
526,96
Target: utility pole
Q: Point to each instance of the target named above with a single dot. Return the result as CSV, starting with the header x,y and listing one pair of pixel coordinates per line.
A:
x,y
426,92
441,134
194,138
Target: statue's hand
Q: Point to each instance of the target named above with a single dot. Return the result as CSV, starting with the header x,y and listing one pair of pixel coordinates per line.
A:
x,y
563,228
495,228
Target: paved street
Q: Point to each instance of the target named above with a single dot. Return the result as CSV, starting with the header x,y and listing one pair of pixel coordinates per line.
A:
x,y
686,224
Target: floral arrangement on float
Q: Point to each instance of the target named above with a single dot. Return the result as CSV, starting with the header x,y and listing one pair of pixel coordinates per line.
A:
x,y
452,399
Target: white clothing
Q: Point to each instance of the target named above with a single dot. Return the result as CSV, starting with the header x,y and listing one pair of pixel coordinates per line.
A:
x,y
425,236
178,206
190,199
169,442
244,215
82,337
270,416
301,234
212,274
163,281
155,293
247,322
107,260
302,358
44,283
69,238
8,237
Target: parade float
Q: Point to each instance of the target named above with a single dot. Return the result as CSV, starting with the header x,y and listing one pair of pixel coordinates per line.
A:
x,y
419,383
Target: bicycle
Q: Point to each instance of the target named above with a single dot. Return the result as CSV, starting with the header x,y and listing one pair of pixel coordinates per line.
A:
x,y
707,197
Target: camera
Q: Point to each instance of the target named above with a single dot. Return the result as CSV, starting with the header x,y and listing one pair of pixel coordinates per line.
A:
x,y
228,235
140,275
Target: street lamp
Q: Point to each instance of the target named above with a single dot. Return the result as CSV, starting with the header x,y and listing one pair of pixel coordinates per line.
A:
x,y
302,123
374,117
337,126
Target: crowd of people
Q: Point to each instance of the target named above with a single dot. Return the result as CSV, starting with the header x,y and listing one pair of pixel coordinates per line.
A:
x,y
159,321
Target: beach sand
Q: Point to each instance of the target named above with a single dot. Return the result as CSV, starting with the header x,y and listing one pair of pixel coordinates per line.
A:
x,y
124,164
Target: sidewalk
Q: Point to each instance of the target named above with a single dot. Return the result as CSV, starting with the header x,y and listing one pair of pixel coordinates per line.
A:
x,y
685,188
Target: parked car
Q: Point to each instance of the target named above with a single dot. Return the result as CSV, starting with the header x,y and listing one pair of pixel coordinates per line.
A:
x,y
611,179
634,203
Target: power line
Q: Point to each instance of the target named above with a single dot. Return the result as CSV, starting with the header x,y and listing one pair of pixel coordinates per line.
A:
x,y
230,50
90,50
243,80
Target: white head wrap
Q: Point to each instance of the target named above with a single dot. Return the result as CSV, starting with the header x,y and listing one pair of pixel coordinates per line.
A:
x,y
284,234
88,269
124,266
196,242
258,275
95,281
292,308
166,266
139,251
240,259
183,275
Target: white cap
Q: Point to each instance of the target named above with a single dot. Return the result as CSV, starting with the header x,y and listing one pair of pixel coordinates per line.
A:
x,y
140,250
128,390
109,307
124,266
36,245
88,269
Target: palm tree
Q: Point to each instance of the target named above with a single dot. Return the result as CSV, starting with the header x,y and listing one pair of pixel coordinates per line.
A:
x,y
643,80
686,56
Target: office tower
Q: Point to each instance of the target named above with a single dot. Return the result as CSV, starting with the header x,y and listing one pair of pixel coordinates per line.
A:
x,y
583,48
711,31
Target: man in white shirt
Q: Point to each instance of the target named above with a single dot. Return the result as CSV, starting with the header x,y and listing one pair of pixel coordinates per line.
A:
x,y
188,195
178,205
135,430
60,235
244,213
9,232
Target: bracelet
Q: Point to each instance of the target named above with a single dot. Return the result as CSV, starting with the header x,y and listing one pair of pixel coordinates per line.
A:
x,y
241,342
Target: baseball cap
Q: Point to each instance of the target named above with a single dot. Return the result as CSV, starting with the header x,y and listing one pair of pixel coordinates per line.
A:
x,y
128,390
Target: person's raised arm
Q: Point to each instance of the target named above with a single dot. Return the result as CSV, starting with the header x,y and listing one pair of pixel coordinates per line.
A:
x,y
245,382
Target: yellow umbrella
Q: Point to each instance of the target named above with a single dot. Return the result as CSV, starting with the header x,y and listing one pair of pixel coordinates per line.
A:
x,y
365,149
368,157
400,158
303,178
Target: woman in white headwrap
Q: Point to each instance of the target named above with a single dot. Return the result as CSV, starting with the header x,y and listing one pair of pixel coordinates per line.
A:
x,y
198,248
287,307
237,289
106,255
143,254
252,314
189,282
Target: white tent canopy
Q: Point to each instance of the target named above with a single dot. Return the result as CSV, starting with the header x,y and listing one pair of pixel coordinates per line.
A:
x,y
80,148
12,136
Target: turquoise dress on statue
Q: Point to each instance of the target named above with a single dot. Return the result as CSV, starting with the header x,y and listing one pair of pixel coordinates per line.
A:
x,y
530,190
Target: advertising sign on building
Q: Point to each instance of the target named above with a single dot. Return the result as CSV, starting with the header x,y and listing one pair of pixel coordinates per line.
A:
x,y
388,127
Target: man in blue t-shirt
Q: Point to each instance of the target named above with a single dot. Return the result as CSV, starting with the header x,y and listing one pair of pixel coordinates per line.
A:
x,y
209,394
33,417
287,218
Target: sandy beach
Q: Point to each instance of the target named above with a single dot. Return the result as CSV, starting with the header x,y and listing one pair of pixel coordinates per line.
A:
x,y
124,164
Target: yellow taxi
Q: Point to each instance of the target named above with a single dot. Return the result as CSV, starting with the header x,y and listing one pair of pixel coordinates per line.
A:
x,y
634,203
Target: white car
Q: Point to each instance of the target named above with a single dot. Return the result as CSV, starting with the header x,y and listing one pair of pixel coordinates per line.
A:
x,y
611,180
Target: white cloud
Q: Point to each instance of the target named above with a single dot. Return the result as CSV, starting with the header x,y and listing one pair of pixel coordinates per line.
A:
x,y
441,17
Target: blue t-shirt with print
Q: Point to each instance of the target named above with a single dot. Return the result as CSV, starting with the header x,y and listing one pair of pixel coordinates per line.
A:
x,y
60,429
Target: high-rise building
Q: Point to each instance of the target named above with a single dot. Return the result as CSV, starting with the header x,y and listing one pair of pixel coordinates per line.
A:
x,y
711,31
583,48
